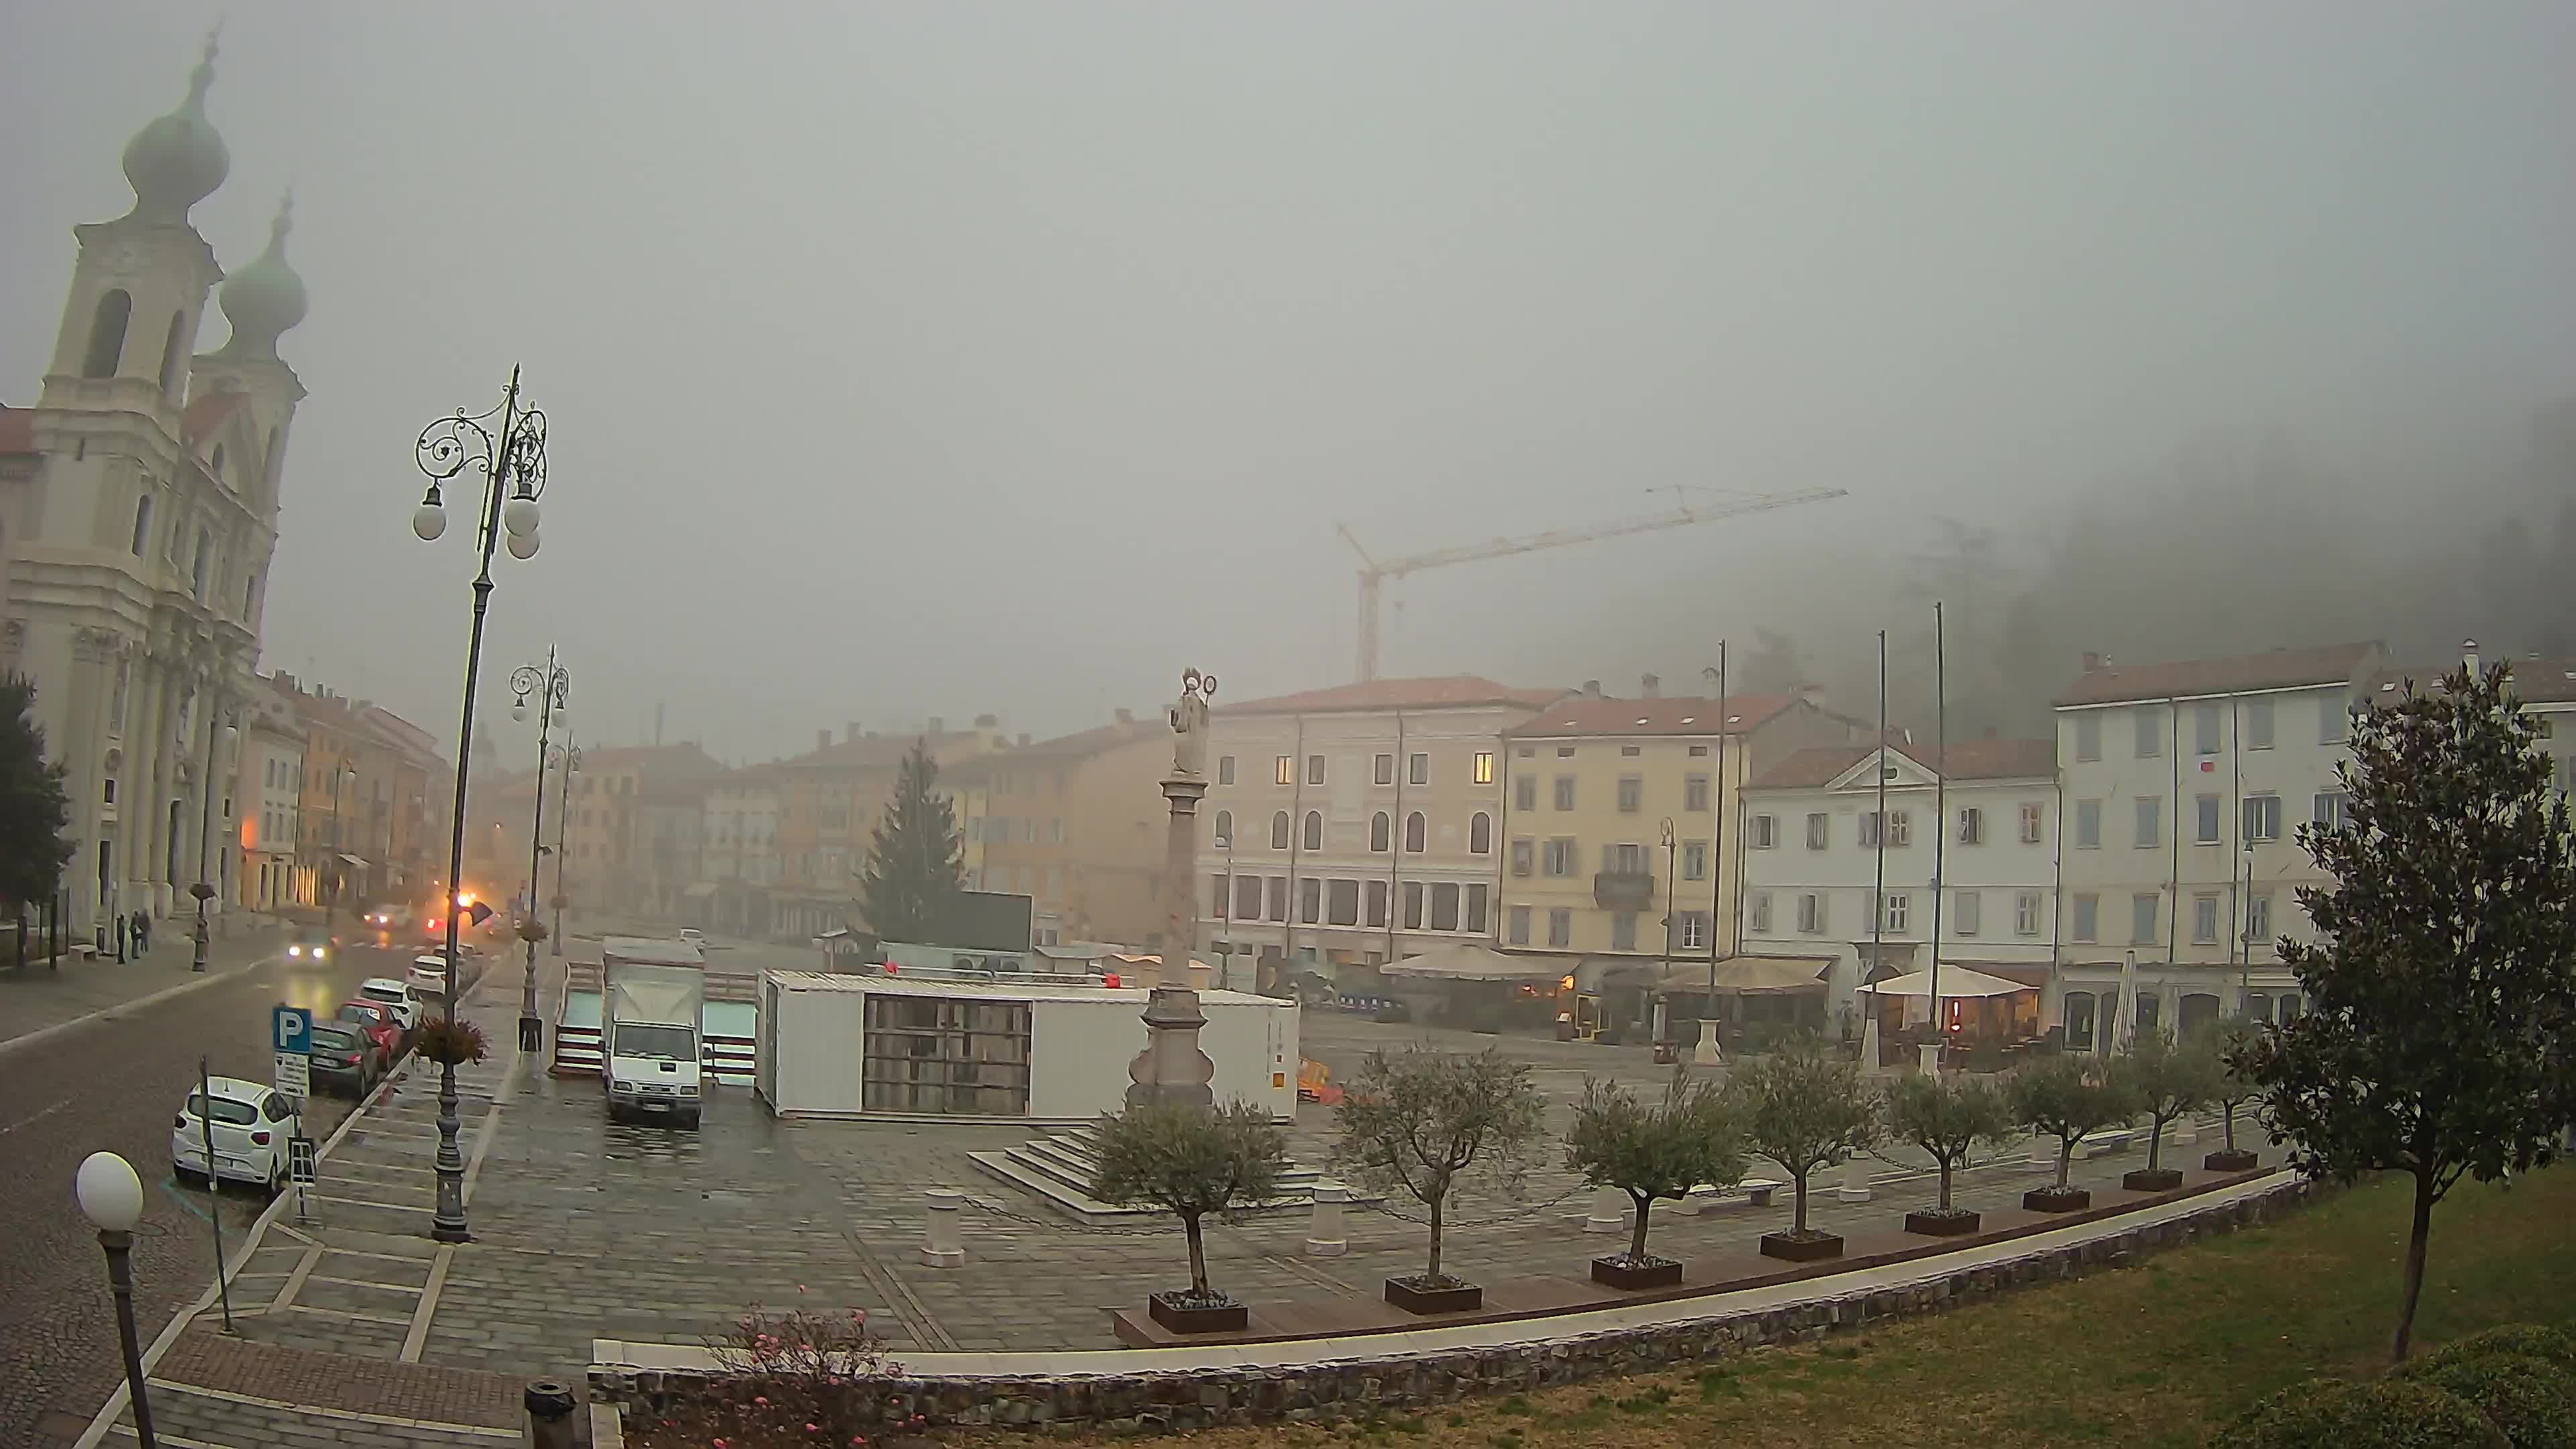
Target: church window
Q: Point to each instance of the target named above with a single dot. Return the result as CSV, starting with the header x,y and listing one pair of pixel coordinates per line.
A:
x,y
107,334
173,352
142,523
205,559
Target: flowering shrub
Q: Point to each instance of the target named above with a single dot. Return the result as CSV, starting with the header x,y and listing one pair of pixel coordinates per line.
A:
x,y
804,1377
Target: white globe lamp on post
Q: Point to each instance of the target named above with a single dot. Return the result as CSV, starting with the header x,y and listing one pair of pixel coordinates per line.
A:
x,y
111,1197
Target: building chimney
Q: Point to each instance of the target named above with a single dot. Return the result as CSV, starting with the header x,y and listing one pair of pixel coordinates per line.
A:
x,y
1592,689
1651,686
1024,743
1126,716
988,721
938,725
822,739
2092,664
2469,655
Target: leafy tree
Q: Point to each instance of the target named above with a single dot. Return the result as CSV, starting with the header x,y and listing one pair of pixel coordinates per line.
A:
x,y
33,808
1659,1151
2234,1088
916,864
1806,1109
1423,1119
2439,984
1189,1163
2065,1098
1947,1117
2169,1078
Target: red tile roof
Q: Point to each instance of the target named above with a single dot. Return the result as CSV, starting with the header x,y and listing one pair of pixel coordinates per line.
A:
x,y
206,413
2196,678
1585,715
1454,691
2539,681
1968,760
1080,745
17,430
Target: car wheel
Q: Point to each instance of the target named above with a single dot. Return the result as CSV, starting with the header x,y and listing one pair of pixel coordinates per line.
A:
x,y
276,1179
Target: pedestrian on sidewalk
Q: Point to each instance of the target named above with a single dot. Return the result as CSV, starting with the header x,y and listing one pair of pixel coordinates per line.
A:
x,y
143,933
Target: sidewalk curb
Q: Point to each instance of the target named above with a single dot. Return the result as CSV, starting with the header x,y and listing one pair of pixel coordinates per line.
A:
x,y
155,998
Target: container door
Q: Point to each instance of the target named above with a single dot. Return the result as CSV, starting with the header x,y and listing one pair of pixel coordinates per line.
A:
x,y
764,1066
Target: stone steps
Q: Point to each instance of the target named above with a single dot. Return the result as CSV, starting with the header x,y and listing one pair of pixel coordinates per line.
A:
x,y
1059,1169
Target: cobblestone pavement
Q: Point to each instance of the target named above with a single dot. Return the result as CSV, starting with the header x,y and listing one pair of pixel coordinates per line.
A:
x,y
116,1082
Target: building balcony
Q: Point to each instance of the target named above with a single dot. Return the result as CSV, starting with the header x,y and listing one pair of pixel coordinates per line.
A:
x,y
1623,890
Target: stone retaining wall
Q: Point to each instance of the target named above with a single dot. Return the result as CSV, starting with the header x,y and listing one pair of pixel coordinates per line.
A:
x,y
1357,1386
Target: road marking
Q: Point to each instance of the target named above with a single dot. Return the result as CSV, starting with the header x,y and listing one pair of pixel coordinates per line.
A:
x,y
344,1314
320,1411
366,1284
165,1437
38,1117
427,1308
47,1033
303,1267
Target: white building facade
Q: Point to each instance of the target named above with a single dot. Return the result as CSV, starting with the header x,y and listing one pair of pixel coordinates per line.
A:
x,y
1813,864
138,511
2185,785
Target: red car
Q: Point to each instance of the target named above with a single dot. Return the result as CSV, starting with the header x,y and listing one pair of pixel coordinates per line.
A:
x,y
377,1020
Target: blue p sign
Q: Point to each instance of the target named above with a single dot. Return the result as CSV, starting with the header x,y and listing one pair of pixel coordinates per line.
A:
x,y
291,1030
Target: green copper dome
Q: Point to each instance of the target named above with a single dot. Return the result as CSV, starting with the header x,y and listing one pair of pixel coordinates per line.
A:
x,y
178,160
266,298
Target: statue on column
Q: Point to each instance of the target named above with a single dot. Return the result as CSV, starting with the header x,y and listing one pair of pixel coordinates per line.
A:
x,y
1190,724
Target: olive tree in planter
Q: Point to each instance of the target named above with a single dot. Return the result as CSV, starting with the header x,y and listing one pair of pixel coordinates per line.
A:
x,y
2168,1078
1653,1152
2066,1097
2235,1088
1947,1117
1424,1121
1806,1109
1190,1163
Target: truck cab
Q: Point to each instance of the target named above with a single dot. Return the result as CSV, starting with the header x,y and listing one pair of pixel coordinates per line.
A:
x,y
652,1005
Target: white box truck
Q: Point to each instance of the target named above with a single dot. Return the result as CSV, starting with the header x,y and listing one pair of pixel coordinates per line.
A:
x,y
652,1002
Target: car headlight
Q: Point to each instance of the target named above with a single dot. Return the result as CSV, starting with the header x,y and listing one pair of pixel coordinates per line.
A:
x,y
320,955
294,950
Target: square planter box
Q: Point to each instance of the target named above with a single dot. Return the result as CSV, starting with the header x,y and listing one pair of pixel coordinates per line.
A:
x,y
2056,1200
1180,1316
1808,1249
1652,1272
1414,1296
2231,1162
2152,1179
1937,1224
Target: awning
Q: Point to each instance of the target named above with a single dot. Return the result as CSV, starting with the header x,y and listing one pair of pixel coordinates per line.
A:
x,y
1955,981
353,860
700,891
1749,975
1467,961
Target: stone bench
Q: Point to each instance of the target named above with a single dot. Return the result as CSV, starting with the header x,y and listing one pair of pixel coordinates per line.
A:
x,y
2106,1142
1758,1191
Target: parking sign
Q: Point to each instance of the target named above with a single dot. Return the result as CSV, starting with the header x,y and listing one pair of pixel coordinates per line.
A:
x,y
291,1030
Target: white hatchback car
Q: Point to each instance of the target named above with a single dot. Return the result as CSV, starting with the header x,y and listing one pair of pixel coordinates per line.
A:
x,y
396,999
251,1125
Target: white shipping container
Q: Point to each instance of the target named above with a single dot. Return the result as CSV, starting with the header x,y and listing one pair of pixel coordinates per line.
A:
x,y
887,1046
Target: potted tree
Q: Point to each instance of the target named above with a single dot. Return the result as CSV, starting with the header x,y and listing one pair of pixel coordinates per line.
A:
x,y
1190,1163
1947,1118
2167,1078
1805,1109
1422,1121
1652,1152
2235,1042
2064,1097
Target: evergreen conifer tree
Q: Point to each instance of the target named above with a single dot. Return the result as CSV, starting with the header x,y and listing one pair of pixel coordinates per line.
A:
x,y
916,862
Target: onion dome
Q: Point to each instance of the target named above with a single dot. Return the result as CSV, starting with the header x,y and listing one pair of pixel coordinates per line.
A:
x,y
178,160
264,299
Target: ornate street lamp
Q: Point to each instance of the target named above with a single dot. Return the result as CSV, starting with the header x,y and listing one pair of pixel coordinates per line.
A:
x,y
513,468
552,685
111,1197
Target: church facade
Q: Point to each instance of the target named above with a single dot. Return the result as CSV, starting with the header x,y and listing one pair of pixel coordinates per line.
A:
x,y
138,515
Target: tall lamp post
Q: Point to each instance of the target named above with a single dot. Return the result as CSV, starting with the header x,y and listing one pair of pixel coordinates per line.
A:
x,y
570,756
552,685
339,868
111,1197
1672,909
513,465
203,891
1171,1070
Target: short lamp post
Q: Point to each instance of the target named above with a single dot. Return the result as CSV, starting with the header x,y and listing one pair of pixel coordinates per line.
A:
x,y
111,1197
513,468
569,760
552,686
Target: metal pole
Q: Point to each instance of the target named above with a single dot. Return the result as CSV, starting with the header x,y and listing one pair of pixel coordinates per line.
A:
x,y
563,814
1940,816
205,836
120,1281
214,1186
1878,889
1718,805
532,1029
331,908
1395,836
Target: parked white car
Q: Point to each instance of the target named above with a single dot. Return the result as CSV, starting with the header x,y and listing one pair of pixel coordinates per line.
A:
x,y
250,1128
396,997
428,980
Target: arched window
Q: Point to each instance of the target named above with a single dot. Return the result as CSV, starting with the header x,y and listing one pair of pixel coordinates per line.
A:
x,y
107,334
1416,829
1279,830
1314,830
205,559
142,523
172,352
1381,831
1224,829
215,465
250,603
1480,833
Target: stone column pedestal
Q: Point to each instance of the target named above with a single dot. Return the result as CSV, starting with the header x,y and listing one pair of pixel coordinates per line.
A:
x,y
943,1242
1326,1237
1609,1213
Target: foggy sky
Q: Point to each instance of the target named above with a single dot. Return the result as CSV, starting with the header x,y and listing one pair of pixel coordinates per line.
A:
x,y
933,359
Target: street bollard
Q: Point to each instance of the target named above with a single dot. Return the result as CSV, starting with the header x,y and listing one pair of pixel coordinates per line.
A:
x,y
1324,1233
1609,1211
2043,1156
1855,1186
941,1245
550,1422
2184,1132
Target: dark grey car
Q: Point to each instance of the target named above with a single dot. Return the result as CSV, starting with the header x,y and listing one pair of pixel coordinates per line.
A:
x,y
343,1058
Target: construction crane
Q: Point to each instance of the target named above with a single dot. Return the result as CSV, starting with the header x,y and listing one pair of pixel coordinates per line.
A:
x,y
1373,574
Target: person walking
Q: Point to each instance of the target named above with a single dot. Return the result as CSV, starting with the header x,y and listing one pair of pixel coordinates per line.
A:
x,y
142,933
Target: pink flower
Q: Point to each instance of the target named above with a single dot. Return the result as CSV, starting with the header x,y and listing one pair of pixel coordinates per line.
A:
x,y
813,1428
761,1399
800,1287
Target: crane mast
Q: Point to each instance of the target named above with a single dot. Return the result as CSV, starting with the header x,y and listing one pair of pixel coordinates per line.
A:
x,y
1374,574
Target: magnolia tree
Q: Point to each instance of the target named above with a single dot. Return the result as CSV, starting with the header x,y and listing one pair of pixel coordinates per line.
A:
x,y
1425,1121
1189,1163
2168,1078
1948,1118
1807,1110
2066,1097
1655,1151
2440,991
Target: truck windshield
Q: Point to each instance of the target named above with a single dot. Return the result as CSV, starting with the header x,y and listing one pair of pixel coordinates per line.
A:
x,y
672,1043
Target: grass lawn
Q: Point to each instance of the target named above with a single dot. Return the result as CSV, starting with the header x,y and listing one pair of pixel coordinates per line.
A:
x,y
2158,1354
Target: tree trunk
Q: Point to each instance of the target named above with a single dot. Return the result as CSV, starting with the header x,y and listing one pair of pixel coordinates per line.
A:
x,y
1798,1182
1945,1184
1637,1239
2065,1160
2416,1235
2227,1124
1198,1255
1433,1203
2155,1141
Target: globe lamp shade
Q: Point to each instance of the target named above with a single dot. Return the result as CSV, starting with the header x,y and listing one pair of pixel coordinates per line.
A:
x,y
111,1196
429,521
523,545
519,515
